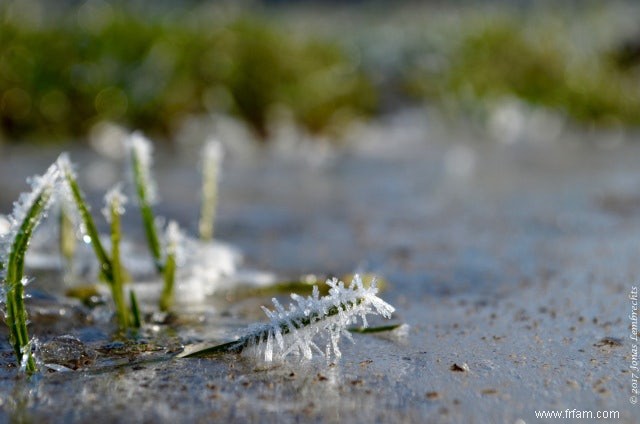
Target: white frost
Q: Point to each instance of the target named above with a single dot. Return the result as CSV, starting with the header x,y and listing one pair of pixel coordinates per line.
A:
x,y
114,200
210,263
173,240
213,153
294,330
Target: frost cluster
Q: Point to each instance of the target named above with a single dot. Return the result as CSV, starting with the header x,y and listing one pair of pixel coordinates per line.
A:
x,y
173,240
203,268
293,330
114,200
213,153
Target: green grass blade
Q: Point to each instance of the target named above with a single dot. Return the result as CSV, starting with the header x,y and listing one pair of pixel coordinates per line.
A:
x,y
114,205
166,299
173,239
135,310
140,149
90,229
16,312
67,236
373,330
212,157
27,214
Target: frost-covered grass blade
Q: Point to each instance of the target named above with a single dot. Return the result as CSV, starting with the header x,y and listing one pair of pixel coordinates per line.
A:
x,y
111,270
212,158
66,234
27,213
294,330
114,207
173,240
140,150
88,225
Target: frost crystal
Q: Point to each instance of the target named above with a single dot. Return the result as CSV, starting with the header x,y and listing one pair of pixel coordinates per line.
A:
x,y
141,151
293,330
114,200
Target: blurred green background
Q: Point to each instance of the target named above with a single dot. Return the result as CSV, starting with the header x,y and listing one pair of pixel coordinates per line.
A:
x,y
68,66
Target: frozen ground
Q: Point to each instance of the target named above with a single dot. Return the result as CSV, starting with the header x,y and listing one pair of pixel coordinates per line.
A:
x,y
512,261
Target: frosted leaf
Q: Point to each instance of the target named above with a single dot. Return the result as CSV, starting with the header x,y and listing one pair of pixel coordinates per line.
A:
x,y
44,186
294,329
141,150
114,200
211,158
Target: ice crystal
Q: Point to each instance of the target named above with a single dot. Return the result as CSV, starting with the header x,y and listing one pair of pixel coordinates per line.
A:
x,y
141,151
294,330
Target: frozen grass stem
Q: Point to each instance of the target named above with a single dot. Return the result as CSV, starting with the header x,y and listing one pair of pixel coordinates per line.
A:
x,y
88,225
66,234
173,239
115,202
141,150
293,330
212,158
111,270
27,213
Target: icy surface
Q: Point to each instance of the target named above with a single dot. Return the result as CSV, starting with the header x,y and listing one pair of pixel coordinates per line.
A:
x,y
66,351
520,267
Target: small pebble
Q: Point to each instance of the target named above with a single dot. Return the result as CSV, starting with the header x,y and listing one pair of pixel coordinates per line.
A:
x,y
463,367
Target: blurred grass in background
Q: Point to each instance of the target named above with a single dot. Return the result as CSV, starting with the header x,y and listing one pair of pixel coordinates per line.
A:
x,y
100,63
63,72
575,63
